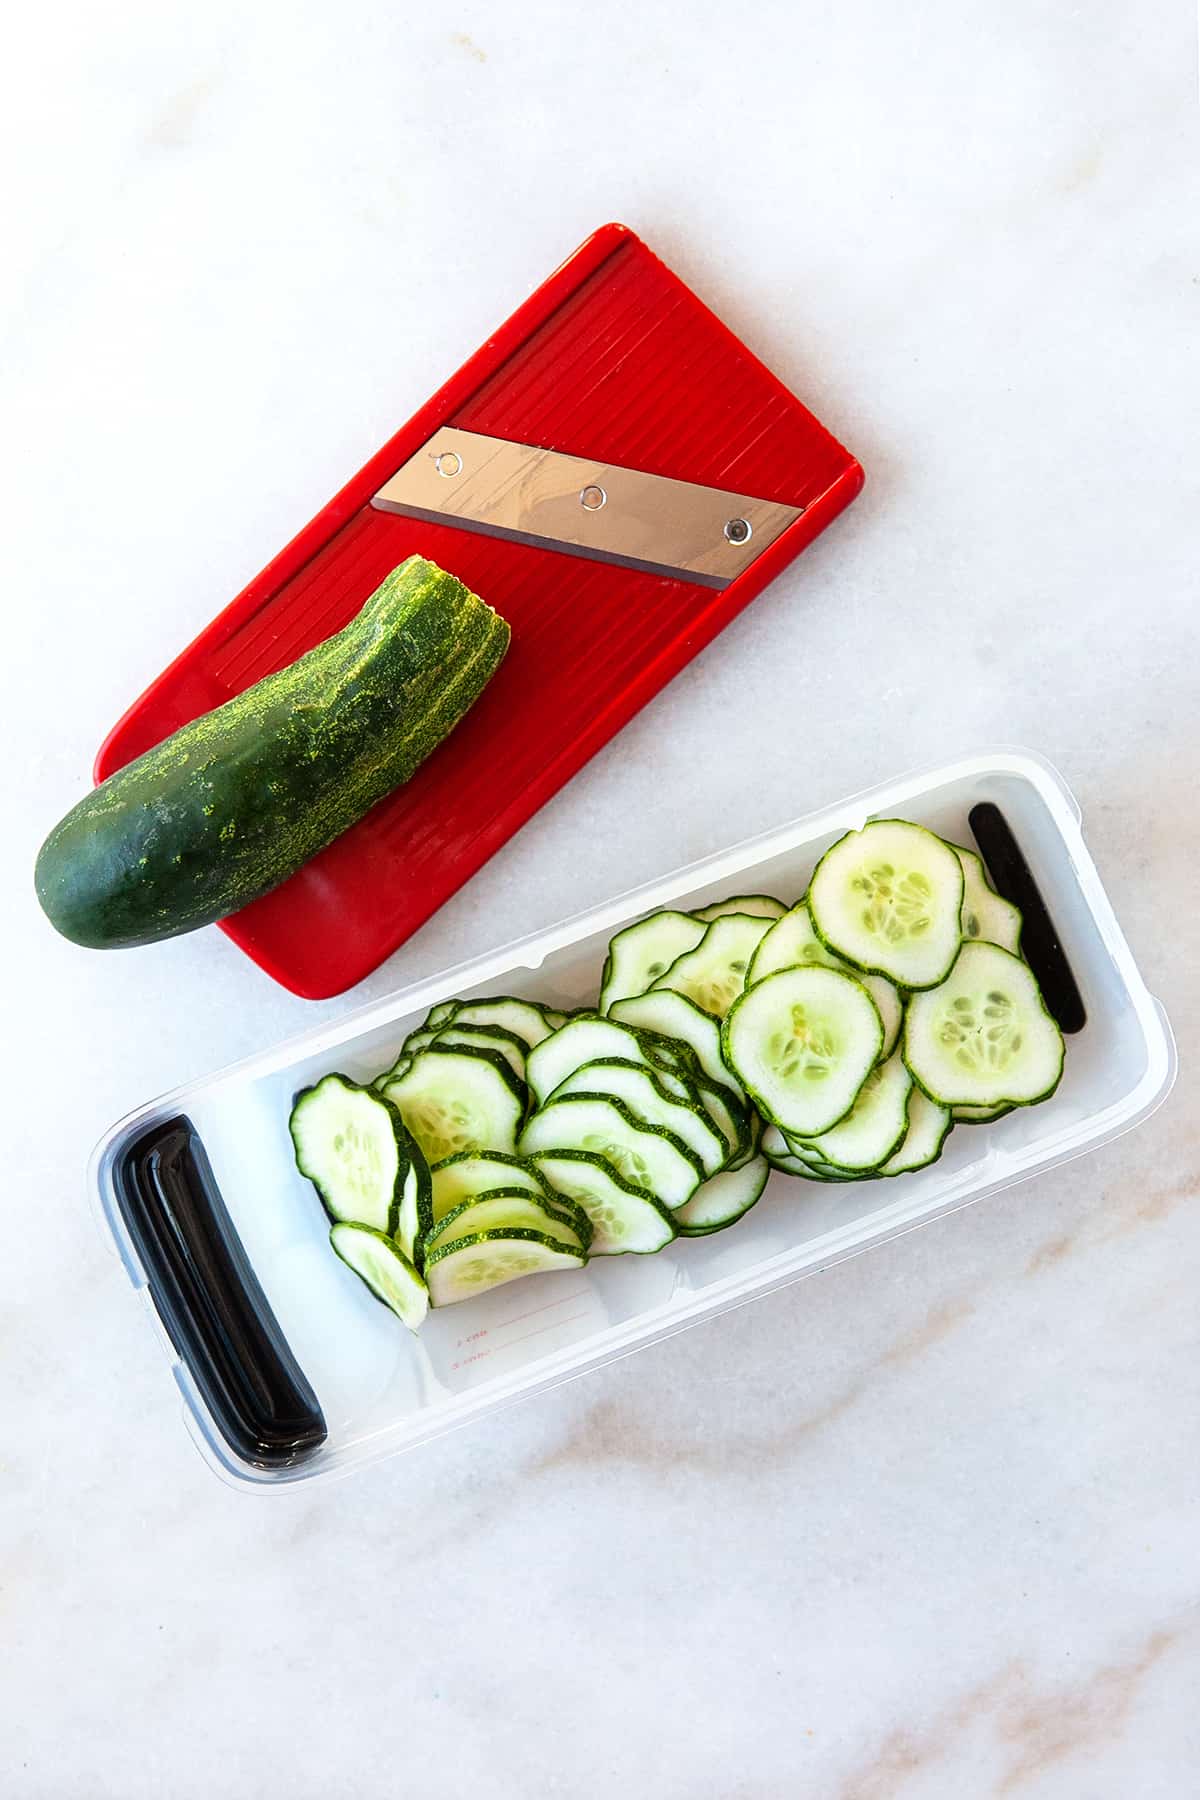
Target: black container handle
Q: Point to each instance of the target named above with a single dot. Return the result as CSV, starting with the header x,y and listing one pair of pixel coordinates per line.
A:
x,y
1040,944
209,1300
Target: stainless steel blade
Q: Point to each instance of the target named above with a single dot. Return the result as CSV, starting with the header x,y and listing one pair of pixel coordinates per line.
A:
x,y
585,508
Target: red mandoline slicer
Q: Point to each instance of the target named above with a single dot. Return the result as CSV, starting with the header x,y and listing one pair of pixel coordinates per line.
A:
x,y
618,476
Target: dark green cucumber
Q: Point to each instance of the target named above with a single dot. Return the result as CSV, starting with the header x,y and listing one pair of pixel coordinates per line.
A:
x,y
239,799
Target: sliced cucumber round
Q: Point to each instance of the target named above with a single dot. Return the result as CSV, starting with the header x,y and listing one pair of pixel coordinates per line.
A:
x,y
802,1043
624,1218
984,914
929,1125
723,1199
521,1017
508,1207
641,953
728,1112
793,941
648,1100
455,1100
415,1213
675,1017
472,1266
984,1037
352,1145
779,1155
647,1156
790,941
873,1128
469,1174
679,1070
753,1140
385,1269
676,1057
714,973
482,1053
505,1044
979,1115
583,1040
891,1008
400,1067
444,1010
888,898
755,906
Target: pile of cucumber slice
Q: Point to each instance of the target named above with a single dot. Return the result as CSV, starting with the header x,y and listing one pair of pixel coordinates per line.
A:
x,y
839,1039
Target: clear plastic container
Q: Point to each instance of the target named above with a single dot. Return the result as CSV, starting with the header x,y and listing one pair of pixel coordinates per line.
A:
x,y
382,1390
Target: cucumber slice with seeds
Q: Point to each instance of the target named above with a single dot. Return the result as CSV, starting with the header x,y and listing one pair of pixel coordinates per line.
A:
x,y
641,953
888,898
714,973
455,1100
625,1219
929,1125
444,1010
506,1207
674,1016
873,1128
984,1037
472,1266
802,1043
984,914
723,1199
793,941
352,1145
647,1156
754,906
388,1273
642,1091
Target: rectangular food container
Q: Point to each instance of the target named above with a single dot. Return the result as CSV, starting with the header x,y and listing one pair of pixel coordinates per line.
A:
x,y
380,1389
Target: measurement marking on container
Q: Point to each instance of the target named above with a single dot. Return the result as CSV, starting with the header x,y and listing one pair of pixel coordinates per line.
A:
x,y
517,1318
553,1326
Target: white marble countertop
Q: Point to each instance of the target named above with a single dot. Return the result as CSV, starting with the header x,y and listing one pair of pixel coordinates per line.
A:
x,y
924,1527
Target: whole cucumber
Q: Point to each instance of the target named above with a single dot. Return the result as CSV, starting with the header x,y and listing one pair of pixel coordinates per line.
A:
x,y
235,802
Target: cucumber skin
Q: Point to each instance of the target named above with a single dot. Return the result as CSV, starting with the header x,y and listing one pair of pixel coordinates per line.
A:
x,y
236,801
552,1209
